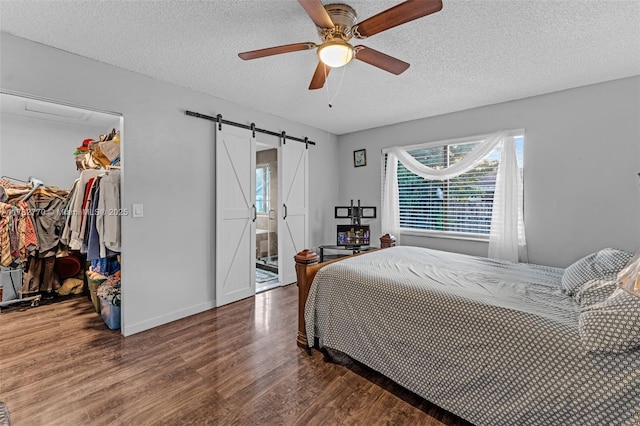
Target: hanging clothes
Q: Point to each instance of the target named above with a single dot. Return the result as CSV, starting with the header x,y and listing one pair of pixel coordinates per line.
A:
x,y
40,276
5,241
88,211
48,218
95,228
18,237
76,209
48,224
30,234
65,238
95,241
108,221
86,204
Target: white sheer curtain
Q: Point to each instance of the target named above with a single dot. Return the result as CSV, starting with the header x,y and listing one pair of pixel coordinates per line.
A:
x,y
504,243
506,239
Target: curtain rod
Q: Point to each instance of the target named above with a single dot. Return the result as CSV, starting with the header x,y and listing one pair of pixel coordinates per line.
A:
x,y
218,119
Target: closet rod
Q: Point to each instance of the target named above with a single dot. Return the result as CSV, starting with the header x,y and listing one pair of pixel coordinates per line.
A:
x,y
219,119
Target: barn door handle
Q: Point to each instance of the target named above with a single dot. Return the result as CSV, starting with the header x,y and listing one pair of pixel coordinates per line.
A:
x,y
285,211
255,212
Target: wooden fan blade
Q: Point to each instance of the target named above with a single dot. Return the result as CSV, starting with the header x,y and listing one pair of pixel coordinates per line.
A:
x,y
397,15
317,13
381,60
261,53
320,76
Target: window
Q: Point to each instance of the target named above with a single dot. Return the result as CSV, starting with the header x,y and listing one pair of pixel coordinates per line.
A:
x,y
262,189
461,205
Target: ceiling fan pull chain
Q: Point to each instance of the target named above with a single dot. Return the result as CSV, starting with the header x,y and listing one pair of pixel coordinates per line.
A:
x,y
344,69
326,85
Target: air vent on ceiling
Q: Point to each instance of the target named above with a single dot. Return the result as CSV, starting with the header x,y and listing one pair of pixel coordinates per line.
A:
x,y
57,110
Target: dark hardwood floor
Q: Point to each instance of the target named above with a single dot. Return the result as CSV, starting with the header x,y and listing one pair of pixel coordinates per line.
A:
x,y
238,364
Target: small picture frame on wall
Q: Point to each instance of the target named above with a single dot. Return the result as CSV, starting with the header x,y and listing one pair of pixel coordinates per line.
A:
x,y
359,158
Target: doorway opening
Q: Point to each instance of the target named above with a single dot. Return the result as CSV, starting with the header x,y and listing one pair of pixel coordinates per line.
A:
x,y
52,178
266,219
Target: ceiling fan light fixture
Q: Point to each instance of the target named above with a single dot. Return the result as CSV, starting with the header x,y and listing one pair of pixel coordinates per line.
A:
x,y
336,25
335,53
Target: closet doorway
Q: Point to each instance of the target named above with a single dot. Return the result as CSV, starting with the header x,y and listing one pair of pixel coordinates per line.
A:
x,y
267,191
44,143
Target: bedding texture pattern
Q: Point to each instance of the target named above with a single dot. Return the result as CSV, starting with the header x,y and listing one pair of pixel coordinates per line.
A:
x,y
494,342
593,266
621,309
596,290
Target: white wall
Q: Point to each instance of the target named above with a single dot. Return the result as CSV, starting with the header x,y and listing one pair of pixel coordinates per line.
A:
x,y
169,166
42,149
581,160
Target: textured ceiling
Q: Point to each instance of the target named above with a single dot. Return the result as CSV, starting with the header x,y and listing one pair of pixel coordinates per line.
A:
x,y
472,53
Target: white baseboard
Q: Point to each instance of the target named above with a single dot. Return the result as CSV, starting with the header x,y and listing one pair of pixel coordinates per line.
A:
x,y
128,330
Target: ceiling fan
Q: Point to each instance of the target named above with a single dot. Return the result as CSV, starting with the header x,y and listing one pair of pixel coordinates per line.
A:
x,y
336,25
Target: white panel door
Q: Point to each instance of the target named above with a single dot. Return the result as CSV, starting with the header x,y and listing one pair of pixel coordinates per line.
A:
x,y
235,214
294,225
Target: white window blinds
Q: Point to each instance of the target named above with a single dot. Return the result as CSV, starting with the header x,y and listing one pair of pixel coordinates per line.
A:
x,y
462,204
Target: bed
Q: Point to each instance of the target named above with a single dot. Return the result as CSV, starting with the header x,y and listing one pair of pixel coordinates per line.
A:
x,y
494,342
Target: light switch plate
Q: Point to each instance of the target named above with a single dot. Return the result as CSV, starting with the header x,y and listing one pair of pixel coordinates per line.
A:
x,y
137,210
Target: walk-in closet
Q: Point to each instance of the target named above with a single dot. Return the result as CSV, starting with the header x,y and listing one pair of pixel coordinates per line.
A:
x,y
60,206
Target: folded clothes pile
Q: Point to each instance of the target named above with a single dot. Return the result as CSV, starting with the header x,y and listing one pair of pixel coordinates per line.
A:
x,y
94,154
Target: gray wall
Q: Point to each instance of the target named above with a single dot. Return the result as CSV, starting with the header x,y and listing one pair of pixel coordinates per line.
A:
x,y
169,166
42,149
581,160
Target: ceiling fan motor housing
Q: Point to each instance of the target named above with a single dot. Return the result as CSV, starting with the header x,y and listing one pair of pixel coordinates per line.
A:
x,y
343,17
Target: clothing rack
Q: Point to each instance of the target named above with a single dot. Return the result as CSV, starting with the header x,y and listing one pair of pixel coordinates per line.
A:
x,y
218,119
33,300
35,184
15,180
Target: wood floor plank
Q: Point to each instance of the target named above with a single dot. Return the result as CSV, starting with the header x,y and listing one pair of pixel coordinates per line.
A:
x,y
237,364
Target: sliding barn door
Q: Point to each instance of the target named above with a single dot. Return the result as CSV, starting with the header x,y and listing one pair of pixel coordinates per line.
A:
x,y
294,204
235,215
